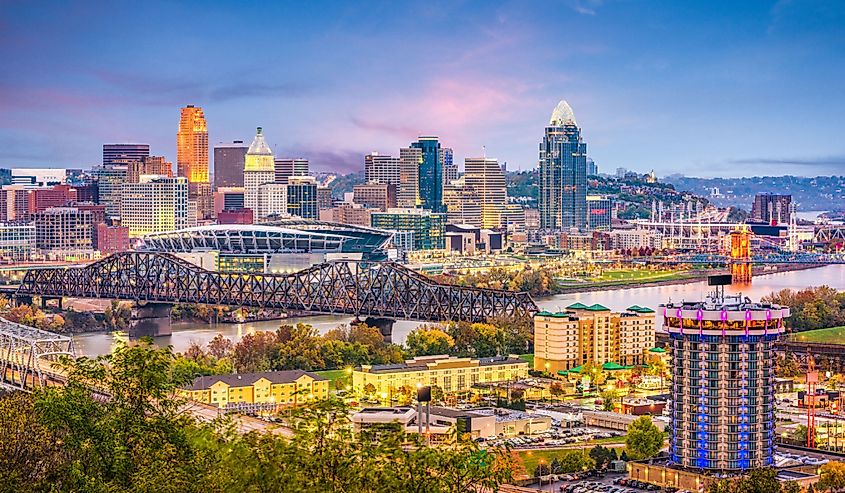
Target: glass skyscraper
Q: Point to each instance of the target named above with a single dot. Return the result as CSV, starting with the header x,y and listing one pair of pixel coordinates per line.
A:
x,y
430,175
563,173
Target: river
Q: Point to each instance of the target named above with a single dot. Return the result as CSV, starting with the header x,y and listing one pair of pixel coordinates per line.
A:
x,y
185,333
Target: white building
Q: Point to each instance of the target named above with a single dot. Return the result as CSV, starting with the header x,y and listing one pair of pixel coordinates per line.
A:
x,y
157,203
259,169
485,176
38,176
272,200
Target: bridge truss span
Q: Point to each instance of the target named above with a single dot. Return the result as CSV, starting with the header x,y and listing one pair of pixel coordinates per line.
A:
x,y
364,289
27,356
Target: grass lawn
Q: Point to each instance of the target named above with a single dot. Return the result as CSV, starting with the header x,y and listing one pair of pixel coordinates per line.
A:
x,y
530,458
637,275
529,357
833,335
333,375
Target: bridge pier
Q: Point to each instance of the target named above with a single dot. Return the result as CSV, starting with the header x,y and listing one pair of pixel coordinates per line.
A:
x,y
384,325
150,320
22,300
45,300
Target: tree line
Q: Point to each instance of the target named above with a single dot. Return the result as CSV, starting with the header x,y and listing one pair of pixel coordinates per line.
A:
x,y
811,308
140,439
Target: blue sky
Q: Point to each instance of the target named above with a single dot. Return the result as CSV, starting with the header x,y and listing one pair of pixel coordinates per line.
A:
x,y
699,88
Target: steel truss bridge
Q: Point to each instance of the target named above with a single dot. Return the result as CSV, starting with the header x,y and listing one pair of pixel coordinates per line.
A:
x,y
28,356
363,289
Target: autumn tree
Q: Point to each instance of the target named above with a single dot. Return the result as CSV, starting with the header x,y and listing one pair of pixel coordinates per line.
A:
x,y
426,341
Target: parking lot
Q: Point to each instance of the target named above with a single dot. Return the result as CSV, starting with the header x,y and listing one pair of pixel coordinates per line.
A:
x,y
555,437
611,483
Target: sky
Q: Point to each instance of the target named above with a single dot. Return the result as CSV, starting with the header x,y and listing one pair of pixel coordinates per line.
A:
x,y
709,88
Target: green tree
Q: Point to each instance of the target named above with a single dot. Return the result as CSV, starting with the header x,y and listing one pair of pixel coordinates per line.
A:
x,y
427,341
644,439
609,398
831,477
757,481
602,456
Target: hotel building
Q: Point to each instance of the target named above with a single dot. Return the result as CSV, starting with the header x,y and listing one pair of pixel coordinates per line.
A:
x,y
447,372
723,376
280,388
581,334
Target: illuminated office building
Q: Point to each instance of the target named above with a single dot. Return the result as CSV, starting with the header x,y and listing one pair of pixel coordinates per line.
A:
x,y
192,145
485,176
156,203
563,173
259,168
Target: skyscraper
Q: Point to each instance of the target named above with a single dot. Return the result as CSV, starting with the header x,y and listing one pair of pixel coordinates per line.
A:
x,y
287,167
192,145
485,176
258,169
563,172
408,193
229,164
381,168
723,373
450,168
135,152
430,179
771,208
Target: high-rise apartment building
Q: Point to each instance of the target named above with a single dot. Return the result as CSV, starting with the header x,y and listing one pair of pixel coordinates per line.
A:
x,y
132,152
771,208
155,204
408,193
192,145
723,375
563,173
430,178
381,168
581,334
229,164
287,167
259,169
485,176
324,198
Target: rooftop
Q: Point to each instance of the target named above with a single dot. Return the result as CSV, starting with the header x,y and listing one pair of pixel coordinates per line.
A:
x,y
247,379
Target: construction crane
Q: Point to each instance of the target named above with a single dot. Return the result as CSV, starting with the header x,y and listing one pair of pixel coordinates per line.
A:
x,y
812,380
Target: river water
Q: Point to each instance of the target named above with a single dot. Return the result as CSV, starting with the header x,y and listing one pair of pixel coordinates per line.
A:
x,y
184,334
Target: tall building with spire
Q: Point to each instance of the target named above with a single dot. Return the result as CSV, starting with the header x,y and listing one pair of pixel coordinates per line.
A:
x,y
259,169
563,172
192,145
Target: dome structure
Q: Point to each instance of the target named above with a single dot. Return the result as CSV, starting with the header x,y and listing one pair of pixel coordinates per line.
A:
x,y
259,157
259,146
562,114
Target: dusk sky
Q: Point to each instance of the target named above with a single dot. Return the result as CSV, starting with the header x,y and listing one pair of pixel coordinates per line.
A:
x,y
712,89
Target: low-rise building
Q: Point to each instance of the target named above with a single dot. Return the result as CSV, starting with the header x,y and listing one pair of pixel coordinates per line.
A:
x,y
271,388
450,373
565,340
17,240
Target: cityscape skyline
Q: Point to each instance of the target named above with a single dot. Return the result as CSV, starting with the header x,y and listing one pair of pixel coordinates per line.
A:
x,y
489,78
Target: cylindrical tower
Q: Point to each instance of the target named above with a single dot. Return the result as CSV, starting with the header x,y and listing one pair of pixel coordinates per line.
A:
x,y
723,370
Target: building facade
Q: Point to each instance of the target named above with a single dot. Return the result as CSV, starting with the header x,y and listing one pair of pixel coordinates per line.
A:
x,y
485,176
110,178
428,228
449,373
581,334
408,193
17,240
599,212
229,164
156,203
133,152
149,165
463,203
381,168
259,169
64,231
302,197
723,373
771,208
192,145
272,200
287,167
381,196
430,176
563,173
267,389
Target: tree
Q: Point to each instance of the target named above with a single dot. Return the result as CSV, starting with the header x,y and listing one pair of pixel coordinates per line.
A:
x,y
609,398
644,439
624,456
429,341
756,481
220,347
831,476
602,456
